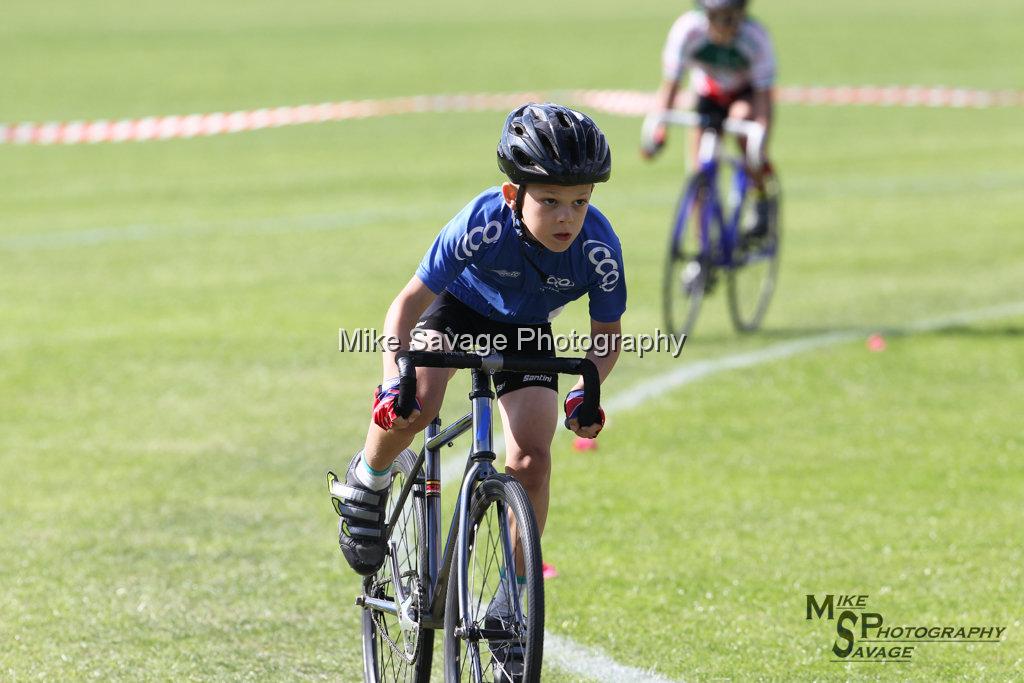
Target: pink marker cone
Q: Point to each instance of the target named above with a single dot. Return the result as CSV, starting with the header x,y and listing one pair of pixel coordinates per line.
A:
x,y
876,343
549,570
582,444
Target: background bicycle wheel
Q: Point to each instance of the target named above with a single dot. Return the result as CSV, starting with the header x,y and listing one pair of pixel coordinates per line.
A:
x,y
171,393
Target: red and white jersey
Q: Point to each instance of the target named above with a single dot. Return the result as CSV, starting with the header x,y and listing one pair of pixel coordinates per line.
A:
x,y
719,71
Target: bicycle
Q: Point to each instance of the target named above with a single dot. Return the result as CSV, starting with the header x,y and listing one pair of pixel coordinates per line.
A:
x,y
493,530
707,237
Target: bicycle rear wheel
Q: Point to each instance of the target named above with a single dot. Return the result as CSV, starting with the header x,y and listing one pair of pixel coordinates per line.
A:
x,y
483,650
397,650
688,264
755,269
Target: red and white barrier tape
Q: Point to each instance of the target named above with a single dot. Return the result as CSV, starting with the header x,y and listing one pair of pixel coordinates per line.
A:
x,y
640,103
625,102
193,125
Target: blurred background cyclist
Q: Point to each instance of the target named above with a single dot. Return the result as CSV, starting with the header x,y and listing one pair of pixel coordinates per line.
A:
x,y
731,62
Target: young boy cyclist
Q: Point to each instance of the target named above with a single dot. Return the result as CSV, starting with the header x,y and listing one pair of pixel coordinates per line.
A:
x,y
511,259
732,71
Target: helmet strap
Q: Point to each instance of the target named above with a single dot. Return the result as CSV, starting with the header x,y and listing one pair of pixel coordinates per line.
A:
x,y
517,207
520,197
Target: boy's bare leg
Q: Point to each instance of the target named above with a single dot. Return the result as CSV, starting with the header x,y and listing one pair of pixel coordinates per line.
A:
x,y
530,417
383,447
745,110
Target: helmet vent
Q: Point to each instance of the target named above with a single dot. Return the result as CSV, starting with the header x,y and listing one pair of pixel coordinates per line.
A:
x,y
538,113
518,129
591,147
549,147
522,158
564,120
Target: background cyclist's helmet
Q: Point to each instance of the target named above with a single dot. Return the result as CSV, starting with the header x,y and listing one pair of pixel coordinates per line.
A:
x,y
711,5
555,145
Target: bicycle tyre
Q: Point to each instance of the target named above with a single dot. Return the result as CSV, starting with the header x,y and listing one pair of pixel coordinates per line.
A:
x,y
382,663
752,278
683,292
490,498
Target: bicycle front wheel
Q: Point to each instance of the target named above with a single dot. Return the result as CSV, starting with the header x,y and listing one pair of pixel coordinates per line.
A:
x,y
688,263
755,268
395,648
501,637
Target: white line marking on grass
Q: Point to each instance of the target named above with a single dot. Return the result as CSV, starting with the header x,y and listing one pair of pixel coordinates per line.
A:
x,y
632,397
591,663
1007,310
88,237
437,210
663,383
284,224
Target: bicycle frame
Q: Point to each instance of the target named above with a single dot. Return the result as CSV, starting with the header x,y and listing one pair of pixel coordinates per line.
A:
x,y
709,157
424,481
713,211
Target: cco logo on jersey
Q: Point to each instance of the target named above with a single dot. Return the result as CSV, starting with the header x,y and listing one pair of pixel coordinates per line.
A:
x,y
559,283
476,238
605,265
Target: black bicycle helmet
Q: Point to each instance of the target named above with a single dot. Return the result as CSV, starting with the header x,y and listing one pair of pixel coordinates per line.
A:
x,y
551,144
711,5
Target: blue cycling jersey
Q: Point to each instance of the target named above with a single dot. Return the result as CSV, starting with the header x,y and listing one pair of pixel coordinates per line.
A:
x,y
480,258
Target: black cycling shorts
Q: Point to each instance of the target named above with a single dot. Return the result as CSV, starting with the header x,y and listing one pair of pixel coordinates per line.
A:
x,y
718,110
469,331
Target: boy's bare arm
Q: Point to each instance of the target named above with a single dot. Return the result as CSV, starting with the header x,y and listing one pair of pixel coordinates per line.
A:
x,y
405,310
604,362
664,99
666,95
762,106
611,333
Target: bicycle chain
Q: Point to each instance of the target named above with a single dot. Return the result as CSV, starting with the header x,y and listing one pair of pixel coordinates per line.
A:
x,y
381,627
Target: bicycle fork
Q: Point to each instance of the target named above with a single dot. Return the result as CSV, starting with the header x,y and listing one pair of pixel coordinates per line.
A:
x,y
483,457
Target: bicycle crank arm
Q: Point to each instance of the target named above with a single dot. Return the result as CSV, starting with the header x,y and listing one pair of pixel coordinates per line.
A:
x,y
377,604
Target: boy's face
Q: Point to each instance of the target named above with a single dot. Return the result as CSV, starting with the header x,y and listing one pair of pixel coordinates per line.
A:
x,y
724,24
552,213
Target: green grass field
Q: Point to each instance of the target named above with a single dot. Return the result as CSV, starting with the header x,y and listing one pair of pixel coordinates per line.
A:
x,y
171,391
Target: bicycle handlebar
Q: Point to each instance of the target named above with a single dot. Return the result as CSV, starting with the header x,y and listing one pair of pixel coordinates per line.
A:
x,y
408,361
752,130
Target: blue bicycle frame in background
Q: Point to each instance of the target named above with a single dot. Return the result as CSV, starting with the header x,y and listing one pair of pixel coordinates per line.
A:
x,y
708,236
712,209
